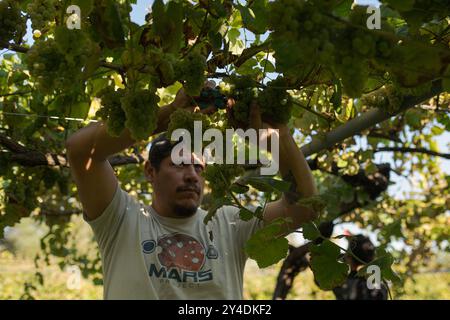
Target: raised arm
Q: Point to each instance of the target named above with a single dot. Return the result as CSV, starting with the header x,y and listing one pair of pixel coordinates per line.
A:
x,y
88,150
294,169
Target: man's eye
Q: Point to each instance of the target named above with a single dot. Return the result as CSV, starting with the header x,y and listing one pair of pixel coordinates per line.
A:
x,y
180,165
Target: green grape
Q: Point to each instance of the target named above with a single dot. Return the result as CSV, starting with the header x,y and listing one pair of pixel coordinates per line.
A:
x,y
191,70
275,102
12,22
111,110
141,110
42,13
384,49
220,178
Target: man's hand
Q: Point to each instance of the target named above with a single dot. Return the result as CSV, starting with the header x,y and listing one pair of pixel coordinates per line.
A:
x,y
184,101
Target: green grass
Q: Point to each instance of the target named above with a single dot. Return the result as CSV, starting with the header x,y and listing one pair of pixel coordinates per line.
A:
x,y
258,284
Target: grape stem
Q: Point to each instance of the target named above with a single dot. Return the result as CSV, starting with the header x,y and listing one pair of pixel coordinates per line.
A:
x,y
21,49
236,200
327,119
15,93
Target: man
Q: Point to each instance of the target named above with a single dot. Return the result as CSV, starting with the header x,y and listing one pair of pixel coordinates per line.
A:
x,y
165,251
355,288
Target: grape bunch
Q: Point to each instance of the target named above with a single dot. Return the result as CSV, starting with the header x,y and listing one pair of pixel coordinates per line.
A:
x,y
12,22
275,102
242,90
75,45
58,63
389,98
183,119
42,13
220,177
353,73
191,70
162,65
112,111
417,12
302,35
141,111
45,62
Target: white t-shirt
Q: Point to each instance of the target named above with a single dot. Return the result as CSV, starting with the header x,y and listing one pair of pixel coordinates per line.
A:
x,y
147,256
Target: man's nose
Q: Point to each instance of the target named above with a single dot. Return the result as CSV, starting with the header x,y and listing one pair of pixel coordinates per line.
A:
x,y
190,174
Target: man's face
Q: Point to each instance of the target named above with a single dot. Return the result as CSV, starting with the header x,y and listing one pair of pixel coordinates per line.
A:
x,y
177,188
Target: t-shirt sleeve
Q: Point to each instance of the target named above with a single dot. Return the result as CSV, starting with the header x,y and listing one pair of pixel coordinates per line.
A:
x,y
108,224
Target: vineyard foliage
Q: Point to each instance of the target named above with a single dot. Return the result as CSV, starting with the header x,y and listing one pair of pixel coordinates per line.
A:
x,y
314,65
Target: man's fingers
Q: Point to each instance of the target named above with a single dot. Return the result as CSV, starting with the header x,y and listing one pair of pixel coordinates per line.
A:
x,y
230,103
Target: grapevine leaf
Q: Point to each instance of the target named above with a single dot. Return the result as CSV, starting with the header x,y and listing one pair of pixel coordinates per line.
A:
x,y
108,23
344,8
315,203
86,6
328,271
79,110
215,39
310,231
259,213
255,18
266,246
336,98
216,204
384,262
267,66
245,214
393,230
239,188
267,184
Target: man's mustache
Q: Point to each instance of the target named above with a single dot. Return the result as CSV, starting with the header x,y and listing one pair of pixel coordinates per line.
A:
x,y
194,188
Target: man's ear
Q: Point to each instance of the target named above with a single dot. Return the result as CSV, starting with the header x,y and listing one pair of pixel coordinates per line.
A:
x,y
149,171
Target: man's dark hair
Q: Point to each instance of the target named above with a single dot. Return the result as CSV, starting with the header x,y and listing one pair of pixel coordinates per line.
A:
x,y
362,247
161,148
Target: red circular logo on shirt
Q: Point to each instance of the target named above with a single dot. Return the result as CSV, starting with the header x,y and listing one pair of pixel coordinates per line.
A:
x,y
181,251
